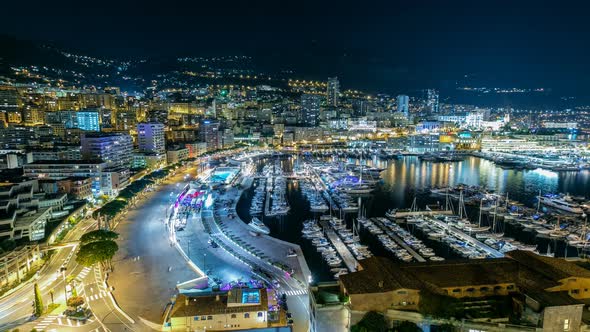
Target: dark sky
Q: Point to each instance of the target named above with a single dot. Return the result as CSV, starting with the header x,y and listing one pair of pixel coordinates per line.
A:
x,y
419,43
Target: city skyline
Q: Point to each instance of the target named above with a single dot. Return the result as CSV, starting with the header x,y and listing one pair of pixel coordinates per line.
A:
x,y
298,167
381,46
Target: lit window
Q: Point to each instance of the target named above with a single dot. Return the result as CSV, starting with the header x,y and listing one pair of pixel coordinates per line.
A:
x,y
566,325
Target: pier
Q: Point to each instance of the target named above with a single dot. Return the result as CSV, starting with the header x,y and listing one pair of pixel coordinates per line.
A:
x,y
340,247
404,214
398,240
467,238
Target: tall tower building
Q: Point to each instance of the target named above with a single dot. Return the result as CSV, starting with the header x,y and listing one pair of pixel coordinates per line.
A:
x,y
209,133
9,102
151,138
403,105
333,91
112,148
89,120
310,109
432,100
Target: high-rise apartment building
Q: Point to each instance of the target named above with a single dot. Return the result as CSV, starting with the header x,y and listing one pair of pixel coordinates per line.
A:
x,y
89,120
113,148
151,138
9,102
403,105
432,100
310,109
333,91
209,133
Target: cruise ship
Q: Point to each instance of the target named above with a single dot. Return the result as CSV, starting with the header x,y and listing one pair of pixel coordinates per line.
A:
x,y
563,203
258,226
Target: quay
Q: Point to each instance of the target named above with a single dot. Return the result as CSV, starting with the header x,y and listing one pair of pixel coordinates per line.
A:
x,y
399,241
465,237
340,247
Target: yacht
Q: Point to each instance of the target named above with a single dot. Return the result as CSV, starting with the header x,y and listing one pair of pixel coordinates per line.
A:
x,y
258,226
564,203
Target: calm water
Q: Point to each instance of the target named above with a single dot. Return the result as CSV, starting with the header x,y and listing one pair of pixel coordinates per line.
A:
x,y
403,180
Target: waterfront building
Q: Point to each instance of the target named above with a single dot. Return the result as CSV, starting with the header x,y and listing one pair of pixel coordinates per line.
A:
x,y
508,144
403,105
333,91
236,309
150,137
554,290
560,125
89,120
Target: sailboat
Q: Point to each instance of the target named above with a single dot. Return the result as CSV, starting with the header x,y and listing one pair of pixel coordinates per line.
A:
x,y
464,222
557,232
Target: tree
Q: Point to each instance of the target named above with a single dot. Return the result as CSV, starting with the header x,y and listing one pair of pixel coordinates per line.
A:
x,y
97,252
8,244
38,302
371,322
75,301
407,326
98,235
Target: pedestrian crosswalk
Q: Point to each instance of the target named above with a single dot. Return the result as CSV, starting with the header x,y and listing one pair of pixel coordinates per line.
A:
x,y
94,297
46,321
83,274
296,292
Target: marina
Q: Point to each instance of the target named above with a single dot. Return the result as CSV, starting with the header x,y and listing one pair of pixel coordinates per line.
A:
x,y
497,228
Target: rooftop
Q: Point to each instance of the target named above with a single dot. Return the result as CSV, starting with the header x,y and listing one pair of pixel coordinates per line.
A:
x,y
67,162
218,304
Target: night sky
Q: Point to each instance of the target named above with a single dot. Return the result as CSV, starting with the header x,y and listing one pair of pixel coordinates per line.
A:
x,y
411,43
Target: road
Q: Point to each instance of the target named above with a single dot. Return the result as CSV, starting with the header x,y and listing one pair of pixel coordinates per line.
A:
x,y
16,308
297,297
142,280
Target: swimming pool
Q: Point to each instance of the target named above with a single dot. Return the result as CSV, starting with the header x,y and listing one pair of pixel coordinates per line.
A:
x,y
223,174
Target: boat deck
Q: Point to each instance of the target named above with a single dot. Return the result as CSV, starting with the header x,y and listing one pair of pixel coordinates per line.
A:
x,y
349,260
398,240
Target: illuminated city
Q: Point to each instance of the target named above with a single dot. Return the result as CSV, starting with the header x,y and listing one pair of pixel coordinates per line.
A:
x,y
322,167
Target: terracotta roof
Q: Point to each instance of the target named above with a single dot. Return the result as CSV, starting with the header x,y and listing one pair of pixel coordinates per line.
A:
x,y
213,305
460,273
378,275
552,268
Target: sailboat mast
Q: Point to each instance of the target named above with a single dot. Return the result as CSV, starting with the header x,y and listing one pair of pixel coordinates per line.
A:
x,y
480,206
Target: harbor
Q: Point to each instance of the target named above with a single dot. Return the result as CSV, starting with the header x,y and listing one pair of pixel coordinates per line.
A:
x,y
321,183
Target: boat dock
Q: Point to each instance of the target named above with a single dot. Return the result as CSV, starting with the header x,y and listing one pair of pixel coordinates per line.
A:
x,y
398,240
467,238
267,206
340,247
404,214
